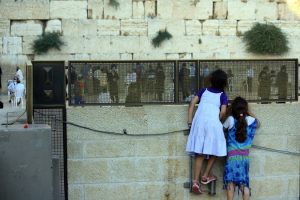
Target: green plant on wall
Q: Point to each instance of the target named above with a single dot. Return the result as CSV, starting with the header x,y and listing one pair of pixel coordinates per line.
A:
x,y
47,41
114,3
266,39
161,36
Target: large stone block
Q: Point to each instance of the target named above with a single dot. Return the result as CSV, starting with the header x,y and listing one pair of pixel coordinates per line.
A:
x,y
268,187
105,56
150,8
104,148
271,141
123,170
174,27
266,10
108,27
75,150
4,27
95,8
284,13
75,192
290,28
220,9
88,171
26,28
68,9
211,27
193,27
149,56
290,166
24,10
53,26
88,27
134,27
227,27
124,191
123,11
241,10
149,169
181,9
152,147
138,9
244,25
12,45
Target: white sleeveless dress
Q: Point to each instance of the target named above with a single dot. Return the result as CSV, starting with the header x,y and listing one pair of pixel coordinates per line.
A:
x,y
206,135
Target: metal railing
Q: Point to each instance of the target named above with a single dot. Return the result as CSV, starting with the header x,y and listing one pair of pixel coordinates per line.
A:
x,y
177,81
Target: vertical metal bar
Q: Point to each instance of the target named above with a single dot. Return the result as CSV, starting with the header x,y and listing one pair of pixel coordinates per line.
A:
x,y
29,93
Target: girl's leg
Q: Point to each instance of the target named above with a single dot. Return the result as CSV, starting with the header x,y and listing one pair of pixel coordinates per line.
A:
x,y
246,193
197,166
230,191
209,166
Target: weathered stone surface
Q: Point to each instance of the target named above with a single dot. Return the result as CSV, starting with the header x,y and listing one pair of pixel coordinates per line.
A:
x,y
264,190
26,28
75,150
288,167
1,45
68,9
104,149
174,27
211,27
133,27
266,10
220,9
124,11
24,10
193,27
150,8
244,25
227,27
87,27
12,45
75,191
88,171
4,27
138,9
96,9
180,9
284,13
53,26
125,191
239,10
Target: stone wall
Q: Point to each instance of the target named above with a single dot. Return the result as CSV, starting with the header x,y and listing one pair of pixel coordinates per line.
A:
x,y
152,167
94,30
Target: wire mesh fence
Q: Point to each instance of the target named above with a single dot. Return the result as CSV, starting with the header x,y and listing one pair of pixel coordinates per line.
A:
x,y
168,82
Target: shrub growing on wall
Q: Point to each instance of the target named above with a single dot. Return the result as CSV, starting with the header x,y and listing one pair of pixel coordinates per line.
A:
x,y
47,41
114,3
266,39
160,37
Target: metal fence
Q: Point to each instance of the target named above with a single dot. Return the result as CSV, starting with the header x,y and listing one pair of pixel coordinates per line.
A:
x,y
169,82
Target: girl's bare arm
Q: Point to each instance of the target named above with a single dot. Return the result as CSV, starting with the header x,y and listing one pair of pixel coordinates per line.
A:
x,y
191,108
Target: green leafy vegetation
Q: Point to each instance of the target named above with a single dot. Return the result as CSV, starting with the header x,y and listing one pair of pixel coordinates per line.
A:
x,y
114,3
161,36
47,41
266,39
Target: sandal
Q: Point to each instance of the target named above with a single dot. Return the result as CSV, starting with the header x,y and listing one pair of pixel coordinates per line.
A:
x,y
207,179
196,188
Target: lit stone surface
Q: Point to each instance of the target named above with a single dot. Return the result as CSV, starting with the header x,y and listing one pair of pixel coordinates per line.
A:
x,y
4,27
241,10
25,10
96,8
133,27
53,26
12,45
139,163
266,10
220,9
138,9
193,27
25,28
68,9
174,27
124,11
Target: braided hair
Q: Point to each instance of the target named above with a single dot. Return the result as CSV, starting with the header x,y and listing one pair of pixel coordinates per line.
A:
x,y
239,112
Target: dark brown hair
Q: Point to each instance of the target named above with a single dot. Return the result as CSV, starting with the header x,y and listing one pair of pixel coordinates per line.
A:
x,y
239,111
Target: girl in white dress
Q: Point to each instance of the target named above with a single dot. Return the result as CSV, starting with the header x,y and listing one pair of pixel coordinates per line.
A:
x,y
206,134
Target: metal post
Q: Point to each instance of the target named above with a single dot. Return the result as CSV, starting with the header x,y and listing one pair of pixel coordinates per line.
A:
x,y
29,93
